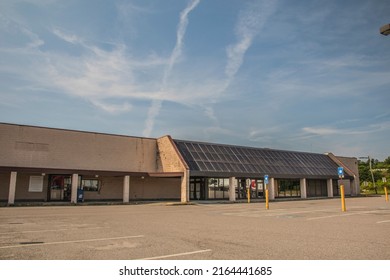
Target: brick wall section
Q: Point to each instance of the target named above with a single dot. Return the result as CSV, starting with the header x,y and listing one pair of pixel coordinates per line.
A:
x,y
168,157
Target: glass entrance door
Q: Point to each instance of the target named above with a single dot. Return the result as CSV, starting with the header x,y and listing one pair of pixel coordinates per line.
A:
x,y
60,187
197,189
256,188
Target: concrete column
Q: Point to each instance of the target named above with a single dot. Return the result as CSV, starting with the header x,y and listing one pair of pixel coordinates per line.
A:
x,y
329,185
126,189
12,188
185,187
271,188
232,189
303,188
75,183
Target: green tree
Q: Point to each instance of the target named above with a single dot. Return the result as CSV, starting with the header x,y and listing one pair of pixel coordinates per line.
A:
x,y
366,176
364,172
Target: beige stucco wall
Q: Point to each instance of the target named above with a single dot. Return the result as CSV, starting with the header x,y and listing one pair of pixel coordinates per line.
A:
x,y
154,188
140,188
36,147
22,187
111,188
48,149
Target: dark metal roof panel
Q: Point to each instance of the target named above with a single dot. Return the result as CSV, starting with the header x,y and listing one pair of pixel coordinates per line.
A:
x,y
209,159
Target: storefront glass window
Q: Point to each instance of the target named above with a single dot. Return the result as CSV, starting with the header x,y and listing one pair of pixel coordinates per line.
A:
x,y
90,184
218,188
289,188
256,188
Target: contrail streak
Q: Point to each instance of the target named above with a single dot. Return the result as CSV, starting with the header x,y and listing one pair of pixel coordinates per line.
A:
x,y
154,109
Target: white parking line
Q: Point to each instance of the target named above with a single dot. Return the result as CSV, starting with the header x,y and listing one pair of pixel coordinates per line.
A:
x,y
71,241
49,230
345,214
280,212
301,212
265,213
381,222
177,255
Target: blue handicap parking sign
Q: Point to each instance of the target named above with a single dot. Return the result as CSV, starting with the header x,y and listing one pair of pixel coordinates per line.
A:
x,y
340,171
265,179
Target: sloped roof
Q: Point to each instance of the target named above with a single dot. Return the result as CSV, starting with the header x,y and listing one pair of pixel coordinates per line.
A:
x,y
210,159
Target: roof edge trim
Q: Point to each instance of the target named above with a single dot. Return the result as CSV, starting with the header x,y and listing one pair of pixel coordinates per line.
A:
x,y
340,163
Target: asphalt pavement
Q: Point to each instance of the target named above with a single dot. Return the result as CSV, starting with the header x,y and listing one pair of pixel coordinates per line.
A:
x,y
289,230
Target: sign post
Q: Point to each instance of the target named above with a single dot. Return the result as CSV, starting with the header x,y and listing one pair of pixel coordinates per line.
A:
x,y
266,192
385,187
340,172
248,189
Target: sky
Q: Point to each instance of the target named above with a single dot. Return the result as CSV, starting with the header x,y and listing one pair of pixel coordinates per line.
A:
x,y
298,75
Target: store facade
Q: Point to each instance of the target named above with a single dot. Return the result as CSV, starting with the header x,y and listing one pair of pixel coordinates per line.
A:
x,y
57,165
219,171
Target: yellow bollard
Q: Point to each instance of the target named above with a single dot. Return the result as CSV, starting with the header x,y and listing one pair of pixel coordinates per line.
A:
x,y
343,208
266,199
249,195
386,195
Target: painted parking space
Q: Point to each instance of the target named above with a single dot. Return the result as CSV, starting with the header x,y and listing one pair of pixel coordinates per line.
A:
x,y
307,210
288,230
41,243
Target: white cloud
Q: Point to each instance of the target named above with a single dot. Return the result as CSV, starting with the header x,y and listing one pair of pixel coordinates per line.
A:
x,y
327,131
128,8
35,42
153,112
250,22
329,79
209,112
211,132
97,74
16,35
70,38
235,54
112,108
322,130
380,126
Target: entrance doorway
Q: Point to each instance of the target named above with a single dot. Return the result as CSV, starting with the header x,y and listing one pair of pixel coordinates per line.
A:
x,y
60,187
197,189
256,188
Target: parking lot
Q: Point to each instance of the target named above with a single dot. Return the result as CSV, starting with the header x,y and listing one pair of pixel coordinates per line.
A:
x,y
305,229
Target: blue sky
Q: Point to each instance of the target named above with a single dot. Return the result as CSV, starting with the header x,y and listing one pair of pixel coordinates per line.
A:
x,y
294,75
